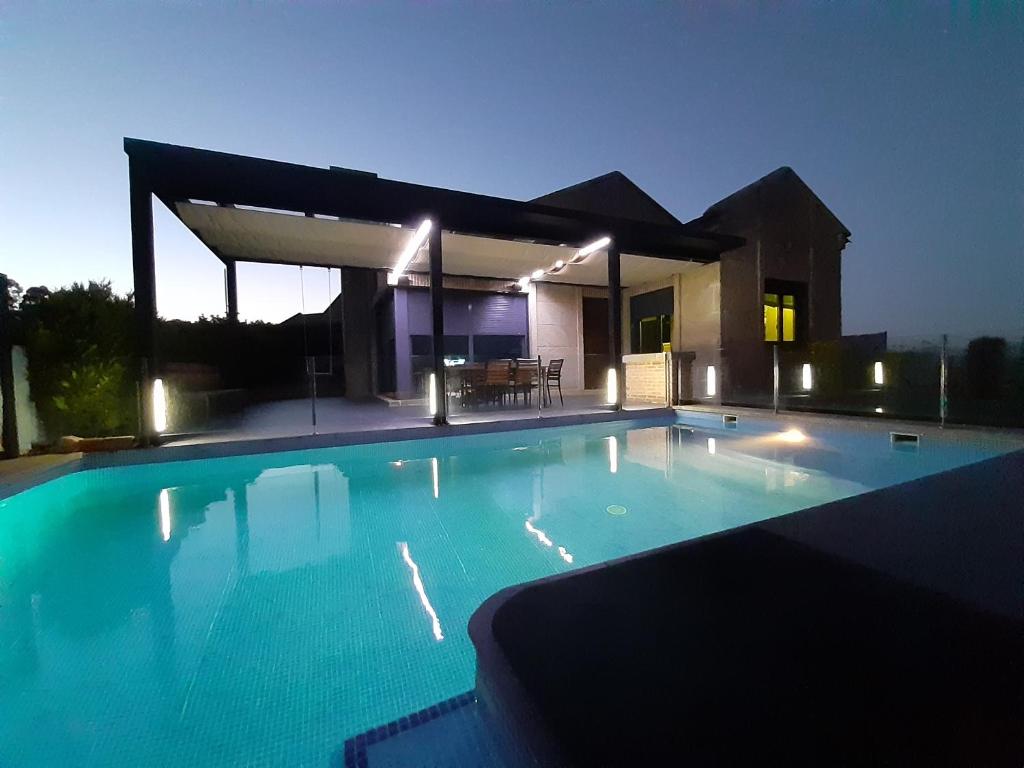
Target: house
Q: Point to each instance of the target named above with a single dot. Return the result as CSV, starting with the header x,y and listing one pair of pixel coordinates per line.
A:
x,y
598,274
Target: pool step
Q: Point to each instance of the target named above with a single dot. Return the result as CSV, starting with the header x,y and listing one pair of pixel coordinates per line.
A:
x,y
453,733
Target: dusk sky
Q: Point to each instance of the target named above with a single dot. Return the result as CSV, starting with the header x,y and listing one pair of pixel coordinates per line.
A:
x,y
908,122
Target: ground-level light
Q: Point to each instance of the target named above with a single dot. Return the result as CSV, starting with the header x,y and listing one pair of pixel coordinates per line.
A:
x,y
807,377
432,394
711,382
159,406
612,388
879,373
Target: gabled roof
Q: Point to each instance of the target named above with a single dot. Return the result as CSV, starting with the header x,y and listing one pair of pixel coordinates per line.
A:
x,y
779,177
613,194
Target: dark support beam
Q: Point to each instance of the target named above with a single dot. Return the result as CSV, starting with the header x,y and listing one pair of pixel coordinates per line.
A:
x,y
231,290
437,321
144,268
615,318
183,173
10,413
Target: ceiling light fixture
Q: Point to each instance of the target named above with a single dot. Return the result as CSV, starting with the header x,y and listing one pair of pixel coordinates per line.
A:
x,y
410,250
586,250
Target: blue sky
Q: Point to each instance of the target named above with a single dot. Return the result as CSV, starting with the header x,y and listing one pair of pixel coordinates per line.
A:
x,y
907,121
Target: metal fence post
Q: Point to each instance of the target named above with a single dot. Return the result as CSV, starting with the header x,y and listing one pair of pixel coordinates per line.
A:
x,y
540,386
943,401
775,377
311,372
667,359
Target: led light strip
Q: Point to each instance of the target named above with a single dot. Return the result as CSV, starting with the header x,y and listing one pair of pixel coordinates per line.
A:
x,y
411,247
559,265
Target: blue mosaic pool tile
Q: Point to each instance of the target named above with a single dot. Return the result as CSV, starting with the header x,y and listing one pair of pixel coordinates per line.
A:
x,y
354,752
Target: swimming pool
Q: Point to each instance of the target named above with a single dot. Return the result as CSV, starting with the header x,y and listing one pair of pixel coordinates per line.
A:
x,y
259,610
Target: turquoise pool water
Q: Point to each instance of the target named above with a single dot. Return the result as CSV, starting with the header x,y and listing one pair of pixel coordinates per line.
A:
x,y
260,610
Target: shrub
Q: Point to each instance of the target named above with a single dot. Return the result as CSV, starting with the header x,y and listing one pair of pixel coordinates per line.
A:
x,y
78,345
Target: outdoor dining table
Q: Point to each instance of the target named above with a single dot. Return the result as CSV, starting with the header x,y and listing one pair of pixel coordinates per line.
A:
x,y
457,375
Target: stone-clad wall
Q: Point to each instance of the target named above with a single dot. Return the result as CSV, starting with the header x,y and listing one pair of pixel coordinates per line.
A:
x,y
645,378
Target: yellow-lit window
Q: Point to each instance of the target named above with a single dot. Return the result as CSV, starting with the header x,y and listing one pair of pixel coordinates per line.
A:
x,y
771,317
779,317
788,318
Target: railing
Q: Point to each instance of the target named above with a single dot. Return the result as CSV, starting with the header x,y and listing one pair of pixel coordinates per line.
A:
x,y
938,378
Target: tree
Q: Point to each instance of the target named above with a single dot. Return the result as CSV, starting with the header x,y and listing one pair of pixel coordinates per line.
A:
x,y
33,296
14,293
78,343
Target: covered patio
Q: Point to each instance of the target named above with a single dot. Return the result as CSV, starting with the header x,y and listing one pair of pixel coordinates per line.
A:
x,y
451,307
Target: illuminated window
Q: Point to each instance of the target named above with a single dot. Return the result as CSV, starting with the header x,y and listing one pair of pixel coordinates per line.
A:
x,y
788,318
771,317
779,317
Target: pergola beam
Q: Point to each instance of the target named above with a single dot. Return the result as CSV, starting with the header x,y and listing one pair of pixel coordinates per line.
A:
x,y
183,173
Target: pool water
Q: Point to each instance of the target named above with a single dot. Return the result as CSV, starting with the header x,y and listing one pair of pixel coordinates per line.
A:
x,y
260,610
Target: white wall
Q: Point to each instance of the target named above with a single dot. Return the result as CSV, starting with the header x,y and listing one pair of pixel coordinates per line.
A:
x,y
556,319
556,329
699,308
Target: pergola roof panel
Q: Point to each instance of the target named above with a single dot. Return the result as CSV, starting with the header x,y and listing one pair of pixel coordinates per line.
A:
x,y
178,174
281,238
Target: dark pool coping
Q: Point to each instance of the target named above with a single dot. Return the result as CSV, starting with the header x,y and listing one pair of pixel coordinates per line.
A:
x,y
255,446
955,538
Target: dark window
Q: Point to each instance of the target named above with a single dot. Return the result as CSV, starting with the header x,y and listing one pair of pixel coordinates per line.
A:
x,y
421,344
497,347
422,347
456,346
651,324
654,332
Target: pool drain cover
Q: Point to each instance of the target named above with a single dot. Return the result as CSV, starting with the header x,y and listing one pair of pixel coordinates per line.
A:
x,y
616,509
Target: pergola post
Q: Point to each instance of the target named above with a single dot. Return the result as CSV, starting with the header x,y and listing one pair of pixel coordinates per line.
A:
x,y
144,270
437,323
615,320
231,290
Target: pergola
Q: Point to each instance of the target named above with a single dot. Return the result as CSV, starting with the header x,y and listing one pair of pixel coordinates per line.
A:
x,y
254,210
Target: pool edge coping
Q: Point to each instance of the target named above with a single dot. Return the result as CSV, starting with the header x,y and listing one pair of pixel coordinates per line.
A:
x,y
256,446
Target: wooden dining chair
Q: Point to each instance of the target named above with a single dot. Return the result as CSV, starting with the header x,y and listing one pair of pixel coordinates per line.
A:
x,y
498,379
527,377
474,384
555,376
